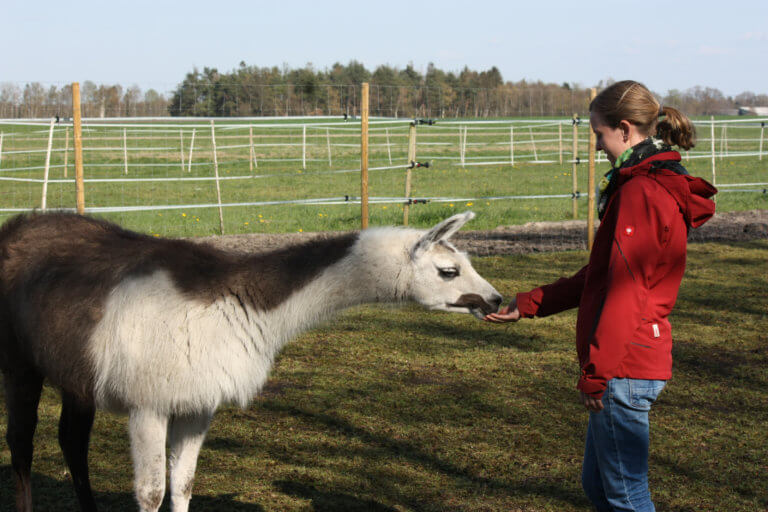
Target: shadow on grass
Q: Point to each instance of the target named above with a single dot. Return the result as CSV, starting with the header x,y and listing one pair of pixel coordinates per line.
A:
x,y
729,368
412,452
52,495
330,501
467,336
695,475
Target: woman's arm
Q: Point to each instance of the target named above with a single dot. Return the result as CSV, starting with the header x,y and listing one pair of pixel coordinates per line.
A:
x,y
563,294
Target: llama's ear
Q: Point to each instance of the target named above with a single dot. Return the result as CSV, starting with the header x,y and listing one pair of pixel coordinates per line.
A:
x,y
442,231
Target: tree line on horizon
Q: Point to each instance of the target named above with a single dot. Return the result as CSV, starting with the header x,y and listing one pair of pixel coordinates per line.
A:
x,y
394,92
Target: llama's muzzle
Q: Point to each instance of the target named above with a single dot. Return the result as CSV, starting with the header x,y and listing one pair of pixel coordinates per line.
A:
x,y
475,303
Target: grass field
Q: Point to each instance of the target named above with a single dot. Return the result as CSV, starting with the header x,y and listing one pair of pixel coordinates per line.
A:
x,y
279,175
394,408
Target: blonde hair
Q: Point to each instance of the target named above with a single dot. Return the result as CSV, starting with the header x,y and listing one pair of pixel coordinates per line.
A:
x,y
632,101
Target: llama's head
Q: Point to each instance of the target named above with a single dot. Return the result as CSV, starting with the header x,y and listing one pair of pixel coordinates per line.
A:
x,y
443,278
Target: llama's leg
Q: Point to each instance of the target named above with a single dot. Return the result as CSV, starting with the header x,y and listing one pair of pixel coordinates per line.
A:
x,y
186,438
22,391
147,430
74,433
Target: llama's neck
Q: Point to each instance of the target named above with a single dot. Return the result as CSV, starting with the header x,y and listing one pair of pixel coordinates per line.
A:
x,y
374,269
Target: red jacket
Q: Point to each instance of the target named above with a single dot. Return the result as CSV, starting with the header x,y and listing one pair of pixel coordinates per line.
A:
x,y
630,284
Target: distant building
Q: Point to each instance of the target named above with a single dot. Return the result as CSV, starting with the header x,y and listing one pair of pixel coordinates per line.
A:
x,y
753,111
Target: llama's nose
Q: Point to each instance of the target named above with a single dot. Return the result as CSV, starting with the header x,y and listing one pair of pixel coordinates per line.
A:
x,y
496,301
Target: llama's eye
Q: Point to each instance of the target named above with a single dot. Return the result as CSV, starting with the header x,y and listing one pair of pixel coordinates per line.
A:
x,y
448,272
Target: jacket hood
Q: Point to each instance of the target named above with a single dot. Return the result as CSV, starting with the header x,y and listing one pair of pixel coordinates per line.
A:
x,y
691,193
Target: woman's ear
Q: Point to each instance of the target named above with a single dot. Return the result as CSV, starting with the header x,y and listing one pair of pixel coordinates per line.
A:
x,y
625,127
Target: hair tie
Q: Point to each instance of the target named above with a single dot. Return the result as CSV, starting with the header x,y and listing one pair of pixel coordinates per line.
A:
x,y
661,111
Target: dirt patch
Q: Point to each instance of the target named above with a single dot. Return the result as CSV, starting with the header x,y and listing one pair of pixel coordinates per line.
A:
x,y
527,238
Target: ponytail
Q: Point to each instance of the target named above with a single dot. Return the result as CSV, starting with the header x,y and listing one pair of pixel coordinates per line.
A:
x,y
676,129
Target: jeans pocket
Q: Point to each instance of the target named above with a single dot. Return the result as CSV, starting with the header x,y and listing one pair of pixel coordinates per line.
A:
x,y
642,393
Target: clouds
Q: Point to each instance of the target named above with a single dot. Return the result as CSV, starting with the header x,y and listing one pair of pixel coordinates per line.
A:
x,y
755,36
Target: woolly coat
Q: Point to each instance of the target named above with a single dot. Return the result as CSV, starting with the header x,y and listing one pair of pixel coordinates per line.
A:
x,y
629,287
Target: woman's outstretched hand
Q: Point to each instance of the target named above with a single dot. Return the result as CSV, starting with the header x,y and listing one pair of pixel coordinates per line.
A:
x,y
507,314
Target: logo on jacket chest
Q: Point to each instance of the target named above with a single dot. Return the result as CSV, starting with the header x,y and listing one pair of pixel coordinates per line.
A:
x,y
629,230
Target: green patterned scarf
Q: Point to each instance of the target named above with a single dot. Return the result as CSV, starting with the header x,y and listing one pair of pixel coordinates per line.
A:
x,y
632,156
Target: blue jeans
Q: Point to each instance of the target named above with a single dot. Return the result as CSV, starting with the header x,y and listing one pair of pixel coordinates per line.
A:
x,y
615,470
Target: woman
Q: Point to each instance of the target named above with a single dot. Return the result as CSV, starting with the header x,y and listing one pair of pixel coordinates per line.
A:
x,y
647,203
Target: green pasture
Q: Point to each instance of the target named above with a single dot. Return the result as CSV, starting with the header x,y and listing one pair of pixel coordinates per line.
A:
x,y
398,409
274,172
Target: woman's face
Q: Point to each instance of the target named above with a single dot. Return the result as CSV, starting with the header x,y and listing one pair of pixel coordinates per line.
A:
x,y
613,141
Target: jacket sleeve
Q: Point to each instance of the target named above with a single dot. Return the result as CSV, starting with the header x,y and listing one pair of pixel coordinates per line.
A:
x,y
563,294
642,212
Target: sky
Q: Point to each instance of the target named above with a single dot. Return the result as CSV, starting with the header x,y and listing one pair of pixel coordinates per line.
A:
x,y
674,44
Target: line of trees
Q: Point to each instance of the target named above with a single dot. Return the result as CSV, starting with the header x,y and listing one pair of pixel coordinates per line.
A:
x,y
273,91
265,91
34,100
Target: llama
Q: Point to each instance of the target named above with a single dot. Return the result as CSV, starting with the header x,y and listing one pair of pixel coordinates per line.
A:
x,y
167,330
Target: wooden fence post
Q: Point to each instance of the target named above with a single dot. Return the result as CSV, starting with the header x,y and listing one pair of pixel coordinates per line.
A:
x,y
364,157
389,149
78,136
304,147
762,133
411,161
591,181
47,166
560,141
533,143
216,171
